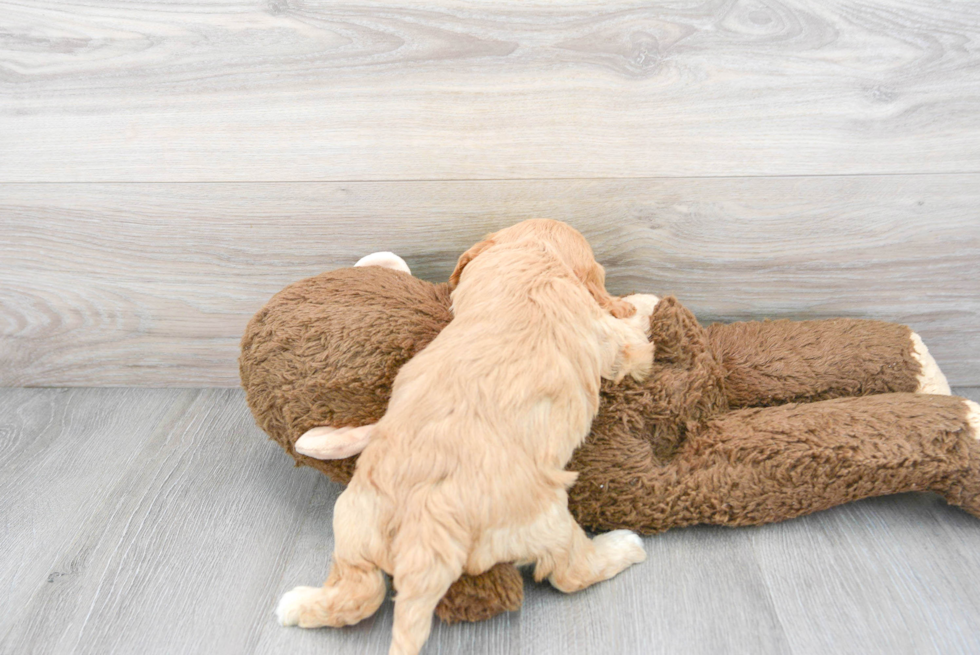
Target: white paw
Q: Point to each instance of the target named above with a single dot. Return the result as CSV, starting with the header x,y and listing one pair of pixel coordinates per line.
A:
x,y
931,379
621,545
973,417
639,358
294,602
333,443
384,260
645,303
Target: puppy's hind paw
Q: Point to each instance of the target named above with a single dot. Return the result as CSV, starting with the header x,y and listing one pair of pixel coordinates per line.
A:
x,y
296,603
622,545
617,551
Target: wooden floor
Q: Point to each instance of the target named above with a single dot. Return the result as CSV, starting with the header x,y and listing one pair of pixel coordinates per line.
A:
x,y
162,521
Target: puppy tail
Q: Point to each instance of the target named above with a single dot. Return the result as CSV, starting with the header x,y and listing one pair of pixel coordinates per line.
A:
x,y
418,593
427,561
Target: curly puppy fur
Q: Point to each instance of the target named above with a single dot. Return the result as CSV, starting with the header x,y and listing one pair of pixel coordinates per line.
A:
x,y
466,467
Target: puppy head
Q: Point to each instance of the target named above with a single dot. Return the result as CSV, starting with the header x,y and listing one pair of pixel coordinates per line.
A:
x,y
568,244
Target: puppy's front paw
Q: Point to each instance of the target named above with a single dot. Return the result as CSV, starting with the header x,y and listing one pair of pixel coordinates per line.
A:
x,y
296,603
634,358
620,308
645,303
639,358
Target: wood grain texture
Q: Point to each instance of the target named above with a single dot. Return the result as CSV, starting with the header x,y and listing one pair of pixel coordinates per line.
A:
x,y
152,284
242,90
893,542
149,554
162,521
63,453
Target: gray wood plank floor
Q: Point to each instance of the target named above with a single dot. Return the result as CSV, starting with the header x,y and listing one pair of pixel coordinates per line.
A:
x,y
161,521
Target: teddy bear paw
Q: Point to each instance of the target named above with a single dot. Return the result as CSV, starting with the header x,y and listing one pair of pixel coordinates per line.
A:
x,y
973,418
326,442
931,379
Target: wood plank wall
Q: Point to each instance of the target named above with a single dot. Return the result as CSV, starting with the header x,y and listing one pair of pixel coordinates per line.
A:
x,y
165,167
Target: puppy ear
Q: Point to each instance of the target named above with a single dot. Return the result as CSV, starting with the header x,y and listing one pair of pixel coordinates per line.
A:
x,y
595,281
466,258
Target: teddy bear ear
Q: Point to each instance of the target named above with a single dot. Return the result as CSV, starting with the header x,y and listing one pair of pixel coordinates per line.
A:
x,y
467,257
384,260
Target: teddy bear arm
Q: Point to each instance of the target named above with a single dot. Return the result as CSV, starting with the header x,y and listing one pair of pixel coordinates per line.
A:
x,y
774,362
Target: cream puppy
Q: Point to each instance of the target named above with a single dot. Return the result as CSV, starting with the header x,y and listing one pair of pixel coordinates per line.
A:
x,y
466,468
328,442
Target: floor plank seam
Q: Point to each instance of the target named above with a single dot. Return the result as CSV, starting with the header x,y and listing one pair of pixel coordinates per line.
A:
x,y
438,180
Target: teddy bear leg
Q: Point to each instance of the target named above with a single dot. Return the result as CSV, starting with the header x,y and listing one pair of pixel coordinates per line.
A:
x,y
779,462
965,491
327,442
480,597
930,378
761,465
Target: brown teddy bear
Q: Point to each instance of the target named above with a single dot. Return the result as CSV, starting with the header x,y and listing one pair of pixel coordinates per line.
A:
x,y
738,424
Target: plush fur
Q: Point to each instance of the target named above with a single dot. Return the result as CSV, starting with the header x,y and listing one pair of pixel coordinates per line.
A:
x,y
737,424
466,469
